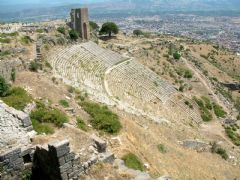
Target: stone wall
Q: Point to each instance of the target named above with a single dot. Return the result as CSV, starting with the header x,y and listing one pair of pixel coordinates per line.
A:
x,y
15,162
15,148
56,162
53,161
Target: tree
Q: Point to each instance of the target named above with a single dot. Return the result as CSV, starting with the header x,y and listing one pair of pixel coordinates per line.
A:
x,y
109,28
61,30
94,26
4,87
137,32
73,34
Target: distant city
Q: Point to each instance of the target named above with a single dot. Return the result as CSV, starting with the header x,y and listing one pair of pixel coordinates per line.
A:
x,y
223,30
219,26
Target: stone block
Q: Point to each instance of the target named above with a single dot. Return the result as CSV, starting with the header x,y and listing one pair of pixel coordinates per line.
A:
x,y
70,170
10,153
107,157
61,143
76,159
2,158
61,161
65,167
28,166
64,176
62,148
93,159
75,174
9,170
165,178
14,157
26,151
85,165
69,157
24,118
6,161
101,144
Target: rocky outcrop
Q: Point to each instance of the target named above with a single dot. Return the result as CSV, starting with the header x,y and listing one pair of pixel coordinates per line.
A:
x,y
197,145
15,127
135,174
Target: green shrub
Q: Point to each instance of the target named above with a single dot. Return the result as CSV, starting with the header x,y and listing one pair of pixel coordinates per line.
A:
x,y
162,148
81,124
13,75
215,148
42,128
5,40
188,104
93,26
181,88
138,32
222,152
17,98
199,102
64,103
44,114
206,116
208,103
237,104
48,65
71,89
26,175
218,110
3,35
46,46
26,40
132,161
61,30
238,117
205,113
102,118
4,87
233,135
73,34
176,55
34,66
188,74
5,53
40,31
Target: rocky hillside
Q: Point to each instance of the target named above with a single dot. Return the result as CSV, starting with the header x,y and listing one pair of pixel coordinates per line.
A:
x,y
165,106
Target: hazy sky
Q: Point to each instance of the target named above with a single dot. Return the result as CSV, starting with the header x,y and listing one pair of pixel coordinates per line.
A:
x,y
4,2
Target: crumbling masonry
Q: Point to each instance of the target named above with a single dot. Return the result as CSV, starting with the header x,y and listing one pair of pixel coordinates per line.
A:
x,y
53,161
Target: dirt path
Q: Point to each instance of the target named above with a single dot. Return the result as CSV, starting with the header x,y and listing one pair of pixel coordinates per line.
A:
x,y
207,85
215,128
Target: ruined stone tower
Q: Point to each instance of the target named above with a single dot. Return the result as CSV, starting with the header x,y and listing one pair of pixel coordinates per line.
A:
x,y
80,22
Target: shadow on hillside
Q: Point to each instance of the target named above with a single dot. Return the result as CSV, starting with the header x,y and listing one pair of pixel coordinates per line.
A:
x,y
232,87
106,38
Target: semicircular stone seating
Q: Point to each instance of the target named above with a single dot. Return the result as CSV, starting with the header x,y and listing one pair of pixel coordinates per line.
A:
x,y
109,77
